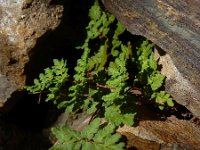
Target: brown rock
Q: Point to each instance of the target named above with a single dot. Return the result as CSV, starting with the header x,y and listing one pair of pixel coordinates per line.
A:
x,y
21,24
135,142
175,27
181,132
176,84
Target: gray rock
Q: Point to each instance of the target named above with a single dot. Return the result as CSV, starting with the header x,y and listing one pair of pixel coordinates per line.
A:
x,y
6,89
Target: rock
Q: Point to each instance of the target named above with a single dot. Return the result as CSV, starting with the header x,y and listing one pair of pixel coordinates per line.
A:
x,y
178,86
22,22
172,132
175,27
135,142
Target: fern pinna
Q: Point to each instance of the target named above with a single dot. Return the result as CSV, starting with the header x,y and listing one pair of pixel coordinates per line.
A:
x,y
94,137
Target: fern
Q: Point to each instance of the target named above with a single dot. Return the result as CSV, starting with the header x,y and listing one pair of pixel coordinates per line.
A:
x,y
101,84
51,80
90,96
92,137
99,25
97,62
100,79
161,98
149,76
118,95
116,42
115,82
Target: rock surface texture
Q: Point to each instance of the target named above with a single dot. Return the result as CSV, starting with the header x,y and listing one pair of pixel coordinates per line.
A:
x,y
22,22
179,134
175,27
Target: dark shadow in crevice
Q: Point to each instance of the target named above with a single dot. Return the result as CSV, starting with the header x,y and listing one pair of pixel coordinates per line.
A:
x,y
27,113
148,110
22,122
160,51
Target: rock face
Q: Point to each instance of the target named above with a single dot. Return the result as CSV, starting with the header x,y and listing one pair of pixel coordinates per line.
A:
x,y
22,22
175,132
176,84
175,27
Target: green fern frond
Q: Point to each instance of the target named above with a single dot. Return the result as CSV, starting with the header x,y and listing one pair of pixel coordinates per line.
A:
x,y
149,75
92,137
114,114
115,40
98,26
51,80
118,78
97,62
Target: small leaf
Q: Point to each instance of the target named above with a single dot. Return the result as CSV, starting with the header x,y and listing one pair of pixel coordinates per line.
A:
x,y
88,146
92,129
170,102
152,62
161,107
112,139
156,81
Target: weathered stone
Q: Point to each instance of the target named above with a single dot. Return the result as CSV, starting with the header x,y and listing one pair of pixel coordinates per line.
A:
x,y
22,22
176,84
180,133
175,27
135,142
